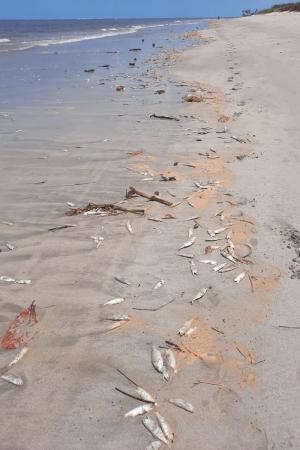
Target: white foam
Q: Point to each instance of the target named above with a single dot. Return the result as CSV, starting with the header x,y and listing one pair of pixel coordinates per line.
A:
x,y
4,41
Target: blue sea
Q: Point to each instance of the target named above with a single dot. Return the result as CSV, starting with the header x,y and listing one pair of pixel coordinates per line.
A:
x,y
26,34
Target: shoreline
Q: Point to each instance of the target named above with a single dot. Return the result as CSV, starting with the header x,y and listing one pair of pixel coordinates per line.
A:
x,y
73,360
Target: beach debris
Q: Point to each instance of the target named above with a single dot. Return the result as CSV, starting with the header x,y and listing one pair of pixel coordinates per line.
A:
x,y
61,227
157,116
228,269
166,429
200,294
135,153
188,243
10,246
120,88
135,49
19,332
89,70
102,209
220,230
211,358
114,301
153,198
8,279
228,256
170,360
167,178
71,204
184,255
213,239
192,218
240,140
157,359
159,284
240,277
160,91
155,219
192,98
131,64
157,308
98,240
115,325
211,262
129,227
155,445
154,429
193,268
139,410
17,381
105,66
182,404
186,327
122,281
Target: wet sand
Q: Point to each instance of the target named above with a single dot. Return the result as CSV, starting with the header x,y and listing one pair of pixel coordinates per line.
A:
x,y
246,72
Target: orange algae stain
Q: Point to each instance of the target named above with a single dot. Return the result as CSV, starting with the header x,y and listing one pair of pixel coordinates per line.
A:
x,y
19,332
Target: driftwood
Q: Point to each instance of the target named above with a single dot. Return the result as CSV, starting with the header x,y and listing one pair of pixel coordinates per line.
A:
x,y
109,207
156,116
127,377
153,198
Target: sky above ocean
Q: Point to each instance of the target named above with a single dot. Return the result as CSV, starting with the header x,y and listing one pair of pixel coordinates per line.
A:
x,y
64,9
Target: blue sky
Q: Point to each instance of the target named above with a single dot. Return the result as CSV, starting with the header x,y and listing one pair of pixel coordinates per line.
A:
x,y
60,9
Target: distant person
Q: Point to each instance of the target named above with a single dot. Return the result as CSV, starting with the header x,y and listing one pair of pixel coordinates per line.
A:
x,y
153,45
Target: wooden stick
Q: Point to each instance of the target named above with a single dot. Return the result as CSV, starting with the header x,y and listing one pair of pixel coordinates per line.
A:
x,y
211,383
155,309
152,198
126,376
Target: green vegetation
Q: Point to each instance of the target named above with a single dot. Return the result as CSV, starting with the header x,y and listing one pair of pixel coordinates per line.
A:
x,y
295,7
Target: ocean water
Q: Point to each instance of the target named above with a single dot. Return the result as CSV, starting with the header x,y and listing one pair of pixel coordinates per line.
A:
x,y
25,34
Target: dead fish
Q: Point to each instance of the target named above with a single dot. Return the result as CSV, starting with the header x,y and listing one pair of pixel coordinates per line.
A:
x,y
184,255
192,218
193,268
211,233
159,284
240,277
229,257
208,261
155,445
220,230
171,360
10,246
71,204
151,426
119,318
18,357
98,240
190,233
139,410
183,404
200,294
155,219
17,381
157,359
228,269
166,429
188,243
114,301
122,281
213,239
144,395
115,325
219,267
186,326
129,227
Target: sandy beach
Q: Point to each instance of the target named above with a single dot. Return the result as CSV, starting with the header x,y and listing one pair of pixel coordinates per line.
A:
x,y
221,173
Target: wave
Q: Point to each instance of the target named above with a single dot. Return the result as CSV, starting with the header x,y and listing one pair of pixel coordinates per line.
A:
x,y
4,41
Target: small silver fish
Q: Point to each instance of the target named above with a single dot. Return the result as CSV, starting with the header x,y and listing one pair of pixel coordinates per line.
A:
x,y
139,410
219,267
119,318
193,268
154,429
129,227
159,284
10,246
200,294
171,360
240,277
184,255
98,240
155,219
220,230
71,204
183,404
114,301
155,445
211,262
157,359
228,269
144,395
211,233
19,356
166,429
213,239
17,381
228,256
186,326
188,243
115,325
190,233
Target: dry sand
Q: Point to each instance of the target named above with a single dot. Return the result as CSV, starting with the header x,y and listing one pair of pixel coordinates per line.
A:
x,y
247,70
